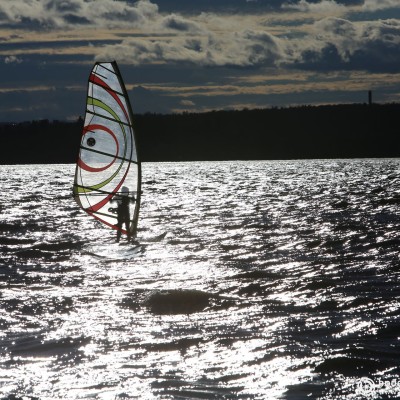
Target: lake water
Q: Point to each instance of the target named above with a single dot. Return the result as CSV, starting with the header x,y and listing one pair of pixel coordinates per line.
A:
x,y
274,280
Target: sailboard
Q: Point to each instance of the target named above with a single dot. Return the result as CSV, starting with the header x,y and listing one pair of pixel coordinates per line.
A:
x,y
108,170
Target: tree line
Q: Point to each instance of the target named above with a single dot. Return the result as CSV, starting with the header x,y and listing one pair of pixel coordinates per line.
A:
x,y
332,131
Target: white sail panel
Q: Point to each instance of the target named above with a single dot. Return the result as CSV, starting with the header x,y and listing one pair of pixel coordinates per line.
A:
x,y
106,72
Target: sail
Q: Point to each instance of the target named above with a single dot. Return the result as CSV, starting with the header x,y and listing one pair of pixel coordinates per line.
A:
x,y
108,167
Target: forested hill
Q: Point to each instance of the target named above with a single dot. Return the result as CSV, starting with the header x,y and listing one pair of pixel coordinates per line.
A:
x,y
336,131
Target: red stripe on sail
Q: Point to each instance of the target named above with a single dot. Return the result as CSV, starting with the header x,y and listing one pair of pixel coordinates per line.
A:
x,y
95,79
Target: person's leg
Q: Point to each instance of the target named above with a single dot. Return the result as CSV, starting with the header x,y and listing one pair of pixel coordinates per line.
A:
x,y
127,228
119,226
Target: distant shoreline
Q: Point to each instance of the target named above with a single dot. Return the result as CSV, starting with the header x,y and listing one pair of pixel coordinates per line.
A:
x,y
305,132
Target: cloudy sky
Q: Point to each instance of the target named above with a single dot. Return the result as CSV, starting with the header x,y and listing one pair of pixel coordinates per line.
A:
x,y
197,55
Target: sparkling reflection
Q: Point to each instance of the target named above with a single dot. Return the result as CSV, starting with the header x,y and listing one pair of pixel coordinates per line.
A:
x,y
273,280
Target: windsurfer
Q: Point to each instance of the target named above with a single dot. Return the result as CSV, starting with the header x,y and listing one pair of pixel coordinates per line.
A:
x,y
123,214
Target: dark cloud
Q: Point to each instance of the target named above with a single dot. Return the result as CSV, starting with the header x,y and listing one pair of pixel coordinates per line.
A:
x,y
67,6
144,100
236,6
220,6
55,45
73,19
178,23
55,14
341,44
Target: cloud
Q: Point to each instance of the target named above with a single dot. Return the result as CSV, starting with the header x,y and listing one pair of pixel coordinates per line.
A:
x,y
178,23
58,14
187,103
374,5
175,60
245,48
324,7
332,43
332,7
12,60
338,43
215,40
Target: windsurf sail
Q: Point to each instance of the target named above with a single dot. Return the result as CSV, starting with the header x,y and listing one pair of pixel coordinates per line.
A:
x,y
108,168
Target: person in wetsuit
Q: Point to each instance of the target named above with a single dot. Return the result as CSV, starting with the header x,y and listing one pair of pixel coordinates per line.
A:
x,y
123,214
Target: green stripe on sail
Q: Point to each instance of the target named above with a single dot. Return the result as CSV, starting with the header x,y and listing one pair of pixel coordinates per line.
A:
x,y
98,103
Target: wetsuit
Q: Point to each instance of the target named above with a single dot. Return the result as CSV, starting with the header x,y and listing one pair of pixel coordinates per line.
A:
x,y
123,215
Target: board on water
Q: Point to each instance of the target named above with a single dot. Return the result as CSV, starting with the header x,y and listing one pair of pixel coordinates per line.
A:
x,y
123,250
114,251
108,170
153,239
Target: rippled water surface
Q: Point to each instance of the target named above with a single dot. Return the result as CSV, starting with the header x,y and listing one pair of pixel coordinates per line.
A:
x,y
252,280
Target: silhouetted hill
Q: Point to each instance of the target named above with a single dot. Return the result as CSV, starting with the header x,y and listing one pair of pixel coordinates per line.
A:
x,y
336,131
